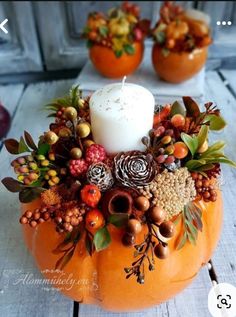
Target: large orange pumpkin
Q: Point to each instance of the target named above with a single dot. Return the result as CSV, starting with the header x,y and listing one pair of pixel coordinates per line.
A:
x,y
176,67
100,279
106,62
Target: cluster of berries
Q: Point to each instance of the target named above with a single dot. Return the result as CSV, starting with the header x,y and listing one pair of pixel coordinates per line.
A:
x,y
26,168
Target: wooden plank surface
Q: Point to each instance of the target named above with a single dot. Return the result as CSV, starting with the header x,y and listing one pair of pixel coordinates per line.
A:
x,y
224,259
230,77
19,298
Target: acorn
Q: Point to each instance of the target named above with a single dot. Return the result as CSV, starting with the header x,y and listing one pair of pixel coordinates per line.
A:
x,y
83,129
157,214
167,229
70,113
142,203
50,137
134,226
64,133
76,153
161,251
128,239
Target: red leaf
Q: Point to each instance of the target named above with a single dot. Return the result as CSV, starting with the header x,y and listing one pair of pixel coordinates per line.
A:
x,y
191,107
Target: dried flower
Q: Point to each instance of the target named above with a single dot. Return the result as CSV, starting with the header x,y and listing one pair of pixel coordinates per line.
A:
x,y
100,174
134,169
50,197
171,191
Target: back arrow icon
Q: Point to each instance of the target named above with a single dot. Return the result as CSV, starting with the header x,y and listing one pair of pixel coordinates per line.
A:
x,y
2,26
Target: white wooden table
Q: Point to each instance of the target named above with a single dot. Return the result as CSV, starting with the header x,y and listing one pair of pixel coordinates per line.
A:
x,y
20,298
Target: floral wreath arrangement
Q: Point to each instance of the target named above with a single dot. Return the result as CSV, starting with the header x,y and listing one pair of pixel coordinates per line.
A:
x,y
83,190
119,29
180,31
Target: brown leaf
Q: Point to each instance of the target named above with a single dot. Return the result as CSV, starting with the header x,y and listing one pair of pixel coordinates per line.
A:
x,y
191,107
29,140
12,146
12,185
61,263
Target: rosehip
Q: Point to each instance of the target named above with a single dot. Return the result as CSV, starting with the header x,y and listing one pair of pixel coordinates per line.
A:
x,y
178,121
181,150
94,220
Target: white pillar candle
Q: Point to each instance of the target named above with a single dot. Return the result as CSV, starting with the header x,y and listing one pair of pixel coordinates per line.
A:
x,y
121,114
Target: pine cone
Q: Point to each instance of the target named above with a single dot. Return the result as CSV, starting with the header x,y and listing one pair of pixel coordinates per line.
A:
x,y
99,174
134,169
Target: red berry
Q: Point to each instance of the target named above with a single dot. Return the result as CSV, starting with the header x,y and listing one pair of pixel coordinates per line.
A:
x,y
138,34
170,159
90,195
78,167
95,153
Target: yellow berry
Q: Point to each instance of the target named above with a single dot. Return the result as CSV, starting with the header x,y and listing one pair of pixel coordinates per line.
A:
x,y
81,103
52,173
55,180
166,139
76,153
50,137
51,156
20,178
83,129
87,143
50,183
40,157
45,163
70,113
64,133
46,177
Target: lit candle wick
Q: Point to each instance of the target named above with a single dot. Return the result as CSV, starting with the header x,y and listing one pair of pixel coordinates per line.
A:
x,y
123,82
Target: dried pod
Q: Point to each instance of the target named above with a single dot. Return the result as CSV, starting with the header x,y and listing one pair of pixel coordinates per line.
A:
x,y
117,201
100,174
133,169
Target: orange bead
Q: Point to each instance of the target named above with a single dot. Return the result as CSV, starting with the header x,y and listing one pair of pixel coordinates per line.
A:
x,y
94,220
90,195
178,121
181,150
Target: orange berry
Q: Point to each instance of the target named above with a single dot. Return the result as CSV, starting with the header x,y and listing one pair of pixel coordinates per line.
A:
x,y
94,220
181,150
178,121
90,195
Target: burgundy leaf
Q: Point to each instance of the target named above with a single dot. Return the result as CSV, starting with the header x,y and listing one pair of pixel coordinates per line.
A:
x,y
12,146
12,185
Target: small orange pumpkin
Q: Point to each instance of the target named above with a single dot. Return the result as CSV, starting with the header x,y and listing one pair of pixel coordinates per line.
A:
x,y
106,62
176,67
91,279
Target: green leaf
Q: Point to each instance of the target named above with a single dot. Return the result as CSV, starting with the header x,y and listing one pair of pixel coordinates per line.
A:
x,y
177,109
182,241
103,30
43,149
51,115
202,135
28,194
12,185
160,37
119,219
118,53
23,146
129,49
29,140
191,142
89,43
216,122
12,146
191,107
165,52
102,239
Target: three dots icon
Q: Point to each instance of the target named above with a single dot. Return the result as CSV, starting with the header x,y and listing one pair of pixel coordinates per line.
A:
x,y
224,23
